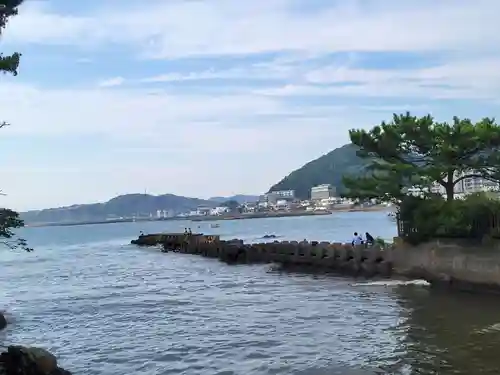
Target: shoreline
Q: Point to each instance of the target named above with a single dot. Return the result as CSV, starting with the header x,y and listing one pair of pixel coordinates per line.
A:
x,y
262,215
259,215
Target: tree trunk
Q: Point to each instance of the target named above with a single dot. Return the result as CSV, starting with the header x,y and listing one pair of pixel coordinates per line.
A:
x,y
450,192
450,185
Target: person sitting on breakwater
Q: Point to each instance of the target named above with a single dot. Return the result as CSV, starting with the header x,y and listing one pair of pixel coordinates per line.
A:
x,y
186,231
190,233
369,239
357,239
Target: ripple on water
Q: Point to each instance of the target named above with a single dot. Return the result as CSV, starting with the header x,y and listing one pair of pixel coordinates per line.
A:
x,y
114,310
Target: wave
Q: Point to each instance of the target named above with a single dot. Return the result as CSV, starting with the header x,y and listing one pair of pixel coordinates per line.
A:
x,y
393,283
490,329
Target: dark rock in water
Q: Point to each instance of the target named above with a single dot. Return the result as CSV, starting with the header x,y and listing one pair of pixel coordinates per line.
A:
x,y
3,321
20,360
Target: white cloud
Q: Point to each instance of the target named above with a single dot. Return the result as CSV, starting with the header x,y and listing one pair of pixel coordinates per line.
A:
x,y
112,82
472,79
184,144
239,140
174,28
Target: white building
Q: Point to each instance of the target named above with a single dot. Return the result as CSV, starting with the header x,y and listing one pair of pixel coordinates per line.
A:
x,y
324,191
282,204
466,186
477,184
273,196
203,211
217,211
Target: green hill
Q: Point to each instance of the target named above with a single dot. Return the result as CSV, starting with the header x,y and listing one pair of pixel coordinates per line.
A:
x,y
327,169
129,205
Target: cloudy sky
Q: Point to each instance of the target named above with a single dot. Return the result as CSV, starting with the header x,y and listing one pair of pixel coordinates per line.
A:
x,y
217,97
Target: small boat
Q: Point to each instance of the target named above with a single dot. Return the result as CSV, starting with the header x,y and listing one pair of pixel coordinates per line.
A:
x,y
214,226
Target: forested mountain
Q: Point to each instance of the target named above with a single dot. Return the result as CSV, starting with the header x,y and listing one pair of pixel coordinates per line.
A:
x,y
121,206
327,169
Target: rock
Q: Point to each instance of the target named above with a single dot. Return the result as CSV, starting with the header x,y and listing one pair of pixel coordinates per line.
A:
x,y
3,321
20,360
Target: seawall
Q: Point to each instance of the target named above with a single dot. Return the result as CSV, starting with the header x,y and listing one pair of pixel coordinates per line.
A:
x,y
458,264
454,264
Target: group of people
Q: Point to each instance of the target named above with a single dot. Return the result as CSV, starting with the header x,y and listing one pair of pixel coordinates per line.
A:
x,y
358,239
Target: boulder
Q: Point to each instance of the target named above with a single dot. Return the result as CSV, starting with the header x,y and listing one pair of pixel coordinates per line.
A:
x,y
20,360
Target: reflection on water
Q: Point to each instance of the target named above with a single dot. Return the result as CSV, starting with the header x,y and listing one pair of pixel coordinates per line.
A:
x,y
450,333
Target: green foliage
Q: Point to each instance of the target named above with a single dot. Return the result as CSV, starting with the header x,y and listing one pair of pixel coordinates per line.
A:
x,y
418,152
8,8
475,216
380,242
413,151
9,219
231,204
327,169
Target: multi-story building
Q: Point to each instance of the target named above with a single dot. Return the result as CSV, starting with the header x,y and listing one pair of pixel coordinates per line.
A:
x,y
273,196
324,191
467,185
477,184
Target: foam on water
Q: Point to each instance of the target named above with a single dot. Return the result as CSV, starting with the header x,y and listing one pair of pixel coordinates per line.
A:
x,y
391,283
494,328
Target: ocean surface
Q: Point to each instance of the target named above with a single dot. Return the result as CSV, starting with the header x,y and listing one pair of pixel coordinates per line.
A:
x,y
106,307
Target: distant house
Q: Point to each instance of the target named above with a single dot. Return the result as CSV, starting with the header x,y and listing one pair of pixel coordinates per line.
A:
x,y
282,204
250,207
203,210
217,211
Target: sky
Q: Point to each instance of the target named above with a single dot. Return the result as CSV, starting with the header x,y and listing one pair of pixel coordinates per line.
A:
x,y
220,97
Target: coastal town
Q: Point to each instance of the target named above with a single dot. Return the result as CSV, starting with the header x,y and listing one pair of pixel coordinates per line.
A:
x,y
324,199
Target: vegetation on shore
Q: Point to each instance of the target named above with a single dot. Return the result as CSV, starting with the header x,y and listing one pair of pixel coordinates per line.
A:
x,y
9,219
421,152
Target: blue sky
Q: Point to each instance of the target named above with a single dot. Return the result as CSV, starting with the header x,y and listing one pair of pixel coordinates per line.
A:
x,y
218,97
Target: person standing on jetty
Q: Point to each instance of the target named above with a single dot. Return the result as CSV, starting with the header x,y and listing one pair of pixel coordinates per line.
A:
x,y
357,239
369,239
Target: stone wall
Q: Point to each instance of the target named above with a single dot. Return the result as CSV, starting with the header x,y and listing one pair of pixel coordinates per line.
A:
x,y
459,264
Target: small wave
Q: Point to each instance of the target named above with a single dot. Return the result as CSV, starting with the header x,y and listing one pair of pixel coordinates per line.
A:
x,y
490,329
393,283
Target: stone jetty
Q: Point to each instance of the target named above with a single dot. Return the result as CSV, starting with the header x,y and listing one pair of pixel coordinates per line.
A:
x,y
344,258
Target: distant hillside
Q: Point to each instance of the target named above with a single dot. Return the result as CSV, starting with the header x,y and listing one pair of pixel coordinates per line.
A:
x,y
327,169
240,198
122,206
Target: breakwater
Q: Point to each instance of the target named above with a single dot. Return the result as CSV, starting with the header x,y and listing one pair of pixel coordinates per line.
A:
x,y
345,258
451,263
